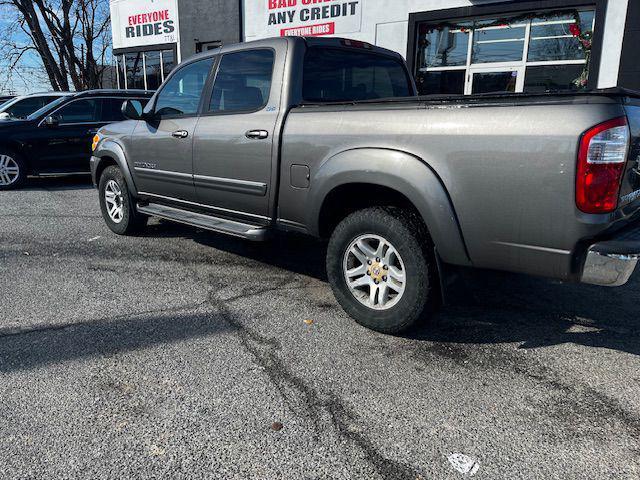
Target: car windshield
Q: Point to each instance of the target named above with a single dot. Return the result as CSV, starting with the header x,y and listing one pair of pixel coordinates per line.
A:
x,y
38,113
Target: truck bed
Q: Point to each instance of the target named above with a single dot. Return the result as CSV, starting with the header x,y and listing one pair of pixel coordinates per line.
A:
x,y
507,162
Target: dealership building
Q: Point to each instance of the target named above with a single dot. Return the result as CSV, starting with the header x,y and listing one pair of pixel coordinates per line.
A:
x,y
452,46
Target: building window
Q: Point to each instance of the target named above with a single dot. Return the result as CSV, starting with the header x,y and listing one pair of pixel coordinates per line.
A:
x,y
135,71
168,62
144,70
152,70
534,52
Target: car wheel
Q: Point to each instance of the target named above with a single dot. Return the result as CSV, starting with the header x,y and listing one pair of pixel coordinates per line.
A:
x,y
116,203
12,170
380,268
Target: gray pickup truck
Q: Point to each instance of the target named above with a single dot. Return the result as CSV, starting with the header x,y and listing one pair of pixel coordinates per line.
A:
x,y
327,137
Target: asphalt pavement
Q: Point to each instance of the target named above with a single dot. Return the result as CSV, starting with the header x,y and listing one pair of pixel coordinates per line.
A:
x,y
181,353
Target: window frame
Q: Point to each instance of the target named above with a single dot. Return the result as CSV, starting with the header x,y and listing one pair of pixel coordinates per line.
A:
x,y
208,92
498,10
151,106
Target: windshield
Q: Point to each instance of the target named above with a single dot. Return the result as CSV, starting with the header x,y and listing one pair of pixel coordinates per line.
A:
x,y
38,113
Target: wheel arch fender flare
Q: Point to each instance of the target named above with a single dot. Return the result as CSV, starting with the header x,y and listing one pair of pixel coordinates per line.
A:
x,y
403,172
109,149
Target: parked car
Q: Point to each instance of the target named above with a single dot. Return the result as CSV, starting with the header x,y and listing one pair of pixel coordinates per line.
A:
x,y
21,107
302,135
56,139
6,98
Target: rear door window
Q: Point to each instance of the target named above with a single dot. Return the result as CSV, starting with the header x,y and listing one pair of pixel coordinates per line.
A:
x,y
243,82
343,75
86,110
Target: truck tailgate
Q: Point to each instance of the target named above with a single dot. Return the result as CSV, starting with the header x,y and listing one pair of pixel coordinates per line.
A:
x,y
630,188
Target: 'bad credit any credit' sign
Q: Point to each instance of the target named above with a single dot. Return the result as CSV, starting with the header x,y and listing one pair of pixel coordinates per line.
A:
x,y
277,18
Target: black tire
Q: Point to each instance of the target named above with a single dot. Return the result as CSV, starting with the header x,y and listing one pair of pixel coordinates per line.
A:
x,y
131,221
406,232
22,170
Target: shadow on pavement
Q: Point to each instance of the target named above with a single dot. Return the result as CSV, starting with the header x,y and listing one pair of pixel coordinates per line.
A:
x,y
70,182
34,347
489,307
508,308
296,253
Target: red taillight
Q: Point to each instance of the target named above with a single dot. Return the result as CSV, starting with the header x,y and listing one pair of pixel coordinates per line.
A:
x,y
601,163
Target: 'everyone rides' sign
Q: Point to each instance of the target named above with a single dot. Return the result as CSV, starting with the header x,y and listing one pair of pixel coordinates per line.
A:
x,y
144,22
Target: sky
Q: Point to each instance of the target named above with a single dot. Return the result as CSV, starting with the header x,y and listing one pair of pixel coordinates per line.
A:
x,y
27,79
30,76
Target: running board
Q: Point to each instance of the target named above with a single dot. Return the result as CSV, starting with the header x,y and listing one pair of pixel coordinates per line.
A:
x,y
216,224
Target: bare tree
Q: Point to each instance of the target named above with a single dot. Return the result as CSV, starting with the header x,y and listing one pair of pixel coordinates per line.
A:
x,y
71,38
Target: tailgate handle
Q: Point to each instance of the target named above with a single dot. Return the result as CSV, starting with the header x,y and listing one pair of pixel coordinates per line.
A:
x,y
257,134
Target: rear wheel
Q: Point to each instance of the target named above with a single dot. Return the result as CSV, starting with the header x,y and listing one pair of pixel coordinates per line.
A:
x,y
117,205
12,170
380,269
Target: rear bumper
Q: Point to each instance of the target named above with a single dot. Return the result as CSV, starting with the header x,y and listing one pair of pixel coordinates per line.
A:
x,y
611,263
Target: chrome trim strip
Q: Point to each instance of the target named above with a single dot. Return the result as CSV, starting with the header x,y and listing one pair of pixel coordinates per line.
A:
x,y
234,212
534,247
60,174
291,223
231,185
168,173
164,175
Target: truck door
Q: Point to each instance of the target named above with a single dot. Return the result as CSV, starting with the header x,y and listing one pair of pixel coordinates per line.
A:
x,y
162,145
233,141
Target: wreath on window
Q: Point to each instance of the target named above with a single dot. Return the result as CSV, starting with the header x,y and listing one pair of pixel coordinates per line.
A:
x,y
585,37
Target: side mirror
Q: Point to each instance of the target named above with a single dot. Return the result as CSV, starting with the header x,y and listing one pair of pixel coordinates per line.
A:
x,y
132,110
52,121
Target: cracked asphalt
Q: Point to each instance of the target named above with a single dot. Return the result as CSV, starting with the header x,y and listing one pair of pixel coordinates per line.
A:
x,y
185,354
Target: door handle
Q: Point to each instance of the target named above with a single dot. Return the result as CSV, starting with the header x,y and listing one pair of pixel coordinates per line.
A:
x,y
180,134
257,134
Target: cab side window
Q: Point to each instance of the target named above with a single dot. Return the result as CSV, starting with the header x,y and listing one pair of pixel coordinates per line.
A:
x,y
86,110
243,82
180,95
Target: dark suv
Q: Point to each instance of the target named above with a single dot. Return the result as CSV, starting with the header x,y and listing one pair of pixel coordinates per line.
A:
x,y
56,140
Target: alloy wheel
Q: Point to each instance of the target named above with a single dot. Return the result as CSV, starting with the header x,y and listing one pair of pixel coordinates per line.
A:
x,y
114,200
9,170
374,272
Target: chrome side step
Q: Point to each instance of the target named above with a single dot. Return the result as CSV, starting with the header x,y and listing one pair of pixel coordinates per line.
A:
x,y
216,224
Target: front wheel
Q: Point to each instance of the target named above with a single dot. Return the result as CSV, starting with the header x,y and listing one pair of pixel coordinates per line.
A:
x,y
380,269
118,209
12,170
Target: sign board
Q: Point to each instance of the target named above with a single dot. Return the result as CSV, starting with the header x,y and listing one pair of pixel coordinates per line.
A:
x,y
144,22
277,18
